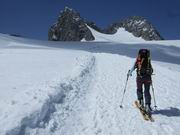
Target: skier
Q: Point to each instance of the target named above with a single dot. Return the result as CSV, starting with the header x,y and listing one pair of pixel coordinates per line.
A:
x,y
144,71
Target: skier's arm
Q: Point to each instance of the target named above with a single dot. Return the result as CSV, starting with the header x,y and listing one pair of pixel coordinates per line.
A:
x,y
132,69
151,68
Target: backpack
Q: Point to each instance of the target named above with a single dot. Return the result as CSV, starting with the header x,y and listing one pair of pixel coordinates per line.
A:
x,y
144,62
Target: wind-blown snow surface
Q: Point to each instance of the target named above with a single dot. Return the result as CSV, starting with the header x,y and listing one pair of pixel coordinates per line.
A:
x,y
72,88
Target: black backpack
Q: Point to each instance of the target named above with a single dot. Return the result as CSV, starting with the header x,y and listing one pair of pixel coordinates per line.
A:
x,y
144,62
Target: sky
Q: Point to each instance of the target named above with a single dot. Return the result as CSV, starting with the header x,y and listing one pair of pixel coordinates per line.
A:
x,y
33,18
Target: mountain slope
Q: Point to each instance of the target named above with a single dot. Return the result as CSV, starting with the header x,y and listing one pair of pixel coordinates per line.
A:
x,y
76,88
120,36
139,27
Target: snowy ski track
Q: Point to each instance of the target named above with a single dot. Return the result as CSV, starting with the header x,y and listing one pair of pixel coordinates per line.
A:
x,y
72,88
88,102
61,102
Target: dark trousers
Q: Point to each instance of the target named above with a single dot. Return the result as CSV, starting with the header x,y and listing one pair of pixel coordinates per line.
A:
x,y
146,81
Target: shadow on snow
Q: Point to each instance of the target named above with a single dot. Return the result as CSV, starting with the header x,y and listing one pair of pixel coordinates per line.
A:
x,y
170,112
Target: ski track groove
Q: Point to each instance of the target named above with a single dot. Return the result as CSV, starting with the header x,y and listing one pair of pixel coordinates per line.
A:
x,y
68,91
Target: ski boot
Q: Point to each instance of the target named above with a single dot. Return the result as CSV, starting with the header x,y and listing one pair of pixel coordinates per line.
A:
x,y
148,109
141,103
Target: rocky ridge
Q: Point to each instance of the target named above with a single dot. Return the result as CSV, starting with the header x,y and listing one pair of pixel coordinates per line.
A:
x,y
72,27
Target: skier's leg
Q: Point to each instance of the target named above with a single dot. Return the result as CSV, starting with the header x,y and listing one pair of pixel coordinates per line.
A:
x,y
147,93
147,97
140,91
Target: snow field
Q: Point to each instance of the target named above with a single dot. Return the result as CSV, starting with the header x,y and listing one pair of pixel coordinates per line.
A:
x,y
96,108
62,95
73,88
107,118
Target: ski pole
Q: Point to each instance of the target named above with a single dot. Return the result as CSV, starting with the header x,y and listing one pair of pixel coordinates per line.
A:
x,y
124,89
155,106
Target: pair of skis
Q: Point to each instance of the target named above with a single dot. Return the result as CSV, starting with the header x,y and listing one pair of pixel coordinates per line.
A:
x,y
145,115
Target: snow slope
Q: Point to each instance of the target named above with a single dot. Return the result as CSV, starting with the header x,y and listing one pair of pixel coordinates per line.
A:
x,y
73,88
120,36
123,36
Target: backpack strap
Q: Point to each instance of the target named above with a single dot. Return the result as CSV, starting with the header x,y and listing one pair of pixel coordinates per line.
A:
x,y
149,60
139,63
148,63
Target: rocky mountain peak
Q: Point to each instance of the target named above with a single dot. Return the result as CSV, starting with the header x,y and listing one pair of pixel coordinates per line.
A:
x,y
67,9
141,27
72,27
70,14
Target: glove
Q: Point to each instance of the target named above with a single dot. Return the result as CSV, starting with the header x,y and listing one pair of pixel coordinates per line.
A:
x,y
149,71
129,73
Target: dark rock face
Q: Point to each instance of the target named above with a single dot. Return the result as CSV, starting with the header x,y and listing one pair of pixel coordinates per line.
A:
x,y
71,27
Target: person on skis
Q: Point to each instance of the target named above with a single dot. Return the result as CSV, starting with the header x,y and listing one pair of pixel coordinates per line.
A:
x,y
144,71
